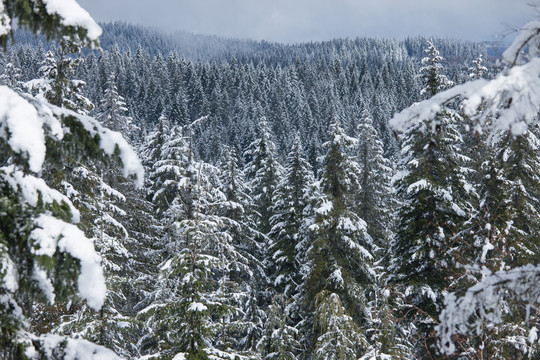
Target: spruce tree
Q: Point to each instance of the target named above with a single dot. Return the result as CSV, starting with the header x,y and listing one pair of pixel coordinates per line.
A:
x,y
291,198
263,171
434,195
339,257
112,110
375,194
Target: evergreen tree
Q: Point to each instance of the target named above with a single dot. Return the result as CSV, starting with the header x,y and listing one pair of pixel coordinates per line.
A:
x,y
502,233
374,197
112,110
43,254
435,206
55,86
41,257
280,340
263,171
291,198
338,271
11,77
431,73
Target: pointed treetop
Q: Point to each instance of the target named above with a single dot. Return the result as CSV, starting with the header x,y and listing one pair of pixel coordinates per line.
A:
x,y
477,69
434,80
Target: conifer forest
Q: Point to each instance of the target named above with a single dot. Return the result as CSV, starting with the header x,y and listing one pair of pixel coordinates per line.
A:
x,y
196,197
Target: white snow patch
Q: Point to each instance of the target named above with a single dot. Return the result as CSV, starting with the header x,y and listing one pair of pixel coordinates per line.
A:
x,y
325,208
9,271
91,282
40,276
485,249
76,348
5,21
21,126
533,335
197,307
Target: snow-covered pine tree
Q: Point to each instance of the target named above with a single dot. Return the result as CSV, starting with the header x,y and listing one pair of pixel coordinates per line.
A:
x,y
55,86
340,337
44,256
207,280
280,339
435,205
338,270
503,234
290,199
431,73
112,110
38,223
374,199
11,77
263,172
236,209
168,162
101,209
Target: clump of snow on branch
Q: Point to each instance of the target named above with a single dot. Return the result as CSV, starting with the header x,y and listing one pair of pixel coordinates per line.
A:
x,y
22,127
91,282
72,14
73,349
25,122
485,301
529,35
5,21
32,189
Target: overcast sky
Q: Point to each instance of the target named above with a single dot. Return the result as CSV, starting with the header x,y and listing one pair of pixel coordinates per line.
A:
x,y
305,20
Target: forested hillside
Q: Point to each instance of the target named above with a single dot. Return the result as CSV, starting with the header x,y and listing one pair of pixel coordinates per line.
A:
x,y
283,214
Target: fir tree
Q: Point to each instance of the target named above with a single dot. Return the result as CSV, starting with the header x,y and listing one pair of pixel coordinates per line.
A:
x,y
112,110
374,196
262,170
280,340
338,268
291,198
435,206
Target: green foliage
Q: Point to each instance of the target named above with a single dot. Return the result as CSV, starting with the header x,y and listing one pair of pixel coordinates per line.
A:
x,y
337,335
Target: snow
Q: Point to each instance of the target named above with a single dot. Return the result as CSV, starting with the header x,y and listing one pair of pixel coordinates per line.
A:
x,y
417,186
91,282
513,97
485,249
458,210
325,208
33,189
5,21
21,126
528,31
72,14
75,349
180,356
533,335
109,142
8,272
484,302
197,307
40,276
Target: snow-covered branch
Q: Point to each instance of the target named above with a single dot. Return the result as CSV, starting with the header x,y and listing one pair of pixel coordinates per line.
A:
x,y
484,302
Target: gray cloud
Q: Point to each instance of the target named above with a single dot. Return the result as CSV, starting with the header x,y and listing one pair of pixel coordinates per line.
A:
x,y
305,20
